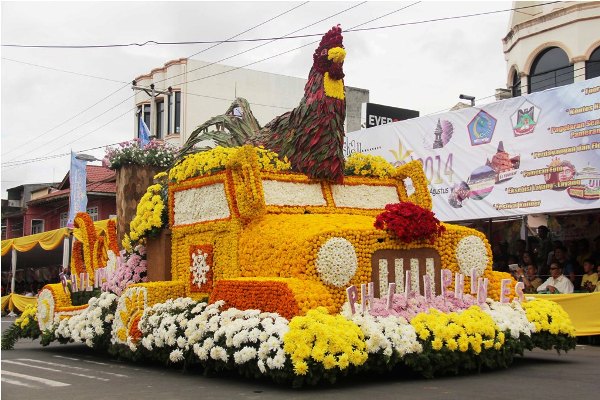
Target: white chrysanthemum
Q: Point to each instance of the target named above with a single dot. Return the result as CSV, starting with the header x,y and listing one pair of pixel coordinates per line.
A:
x,y
336,261
471,253
176,356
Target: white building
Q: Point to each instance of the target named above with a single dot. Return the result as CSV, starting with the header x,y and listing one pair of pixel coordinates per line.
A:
x,y
201,90
552,45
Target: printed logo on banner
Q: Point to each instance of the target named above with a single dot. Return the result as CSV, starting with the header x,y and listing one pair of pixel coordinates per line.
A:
x,y
524,120
481,128
442,133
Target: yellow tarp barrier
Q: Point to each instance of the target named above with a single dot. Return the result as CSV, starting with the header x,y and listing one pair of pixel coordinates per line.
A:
x,y
47,240
14,301
583,309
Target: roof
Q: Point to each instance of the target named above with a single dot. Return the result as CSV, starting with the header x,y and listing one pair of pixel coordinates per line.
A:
x,y
100,180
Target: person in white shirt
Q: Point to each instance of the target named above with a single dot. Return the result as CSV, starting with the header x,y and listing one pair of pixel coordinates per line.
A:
x,y
557,283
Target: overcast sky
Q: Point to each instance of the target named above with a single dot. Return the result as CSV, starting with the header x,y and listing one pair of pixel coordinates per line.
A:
x,y
420,66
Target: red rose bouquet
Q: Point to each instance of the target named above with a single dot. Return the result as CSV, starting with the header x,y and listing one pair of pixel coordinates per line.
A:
x,y
409,222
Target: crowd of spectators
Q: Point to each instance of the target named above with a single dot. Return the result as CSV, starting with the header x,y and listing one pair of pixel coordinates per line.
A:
x,y
551,266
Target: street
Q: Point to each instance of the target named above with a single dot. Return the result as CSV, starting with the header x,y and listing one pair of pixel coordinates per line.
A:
x,y
76,372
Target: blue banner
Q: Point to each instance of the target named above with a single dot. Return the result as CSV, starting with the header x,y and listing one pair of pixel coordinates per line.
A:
x,y
77,181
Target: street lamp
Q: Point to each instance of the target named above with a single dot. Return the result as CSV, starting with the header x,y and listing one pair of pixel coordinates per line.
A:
x,y
467,97
86,157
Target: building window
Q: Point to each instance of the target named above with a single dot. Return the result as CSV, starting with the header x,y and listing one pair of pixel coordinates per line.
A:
x,y
160,113
550,69
177,113
93,211
37,226
64,217
515,88
592,66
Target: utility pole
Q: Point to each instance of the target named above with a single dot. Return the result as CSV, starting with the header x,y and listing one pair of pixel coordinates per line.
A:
x,y
152,93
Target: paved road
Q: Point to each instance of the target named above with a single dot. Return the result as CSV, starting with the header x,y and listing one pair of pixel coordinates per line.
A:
x,y
76,372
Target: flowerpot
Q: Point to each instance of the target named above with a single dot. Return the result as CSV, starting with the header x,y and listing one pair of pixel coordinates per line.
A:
x,y
158,255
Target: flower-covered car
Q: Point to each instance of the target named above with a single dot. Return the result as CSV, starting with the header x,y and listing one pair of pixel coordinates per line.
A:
x,y
281,242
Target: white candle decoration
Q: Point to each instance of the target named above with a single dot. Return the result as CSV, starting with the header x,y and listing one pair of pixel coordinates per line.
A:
x,y
459,285
505,290
390,296
427,287
407,285
474,276
399,274
446,280
482,289
383,277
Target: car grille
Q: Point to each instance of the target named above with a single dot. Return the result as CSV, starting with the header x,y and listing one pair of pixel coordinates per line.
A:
x,y
390,266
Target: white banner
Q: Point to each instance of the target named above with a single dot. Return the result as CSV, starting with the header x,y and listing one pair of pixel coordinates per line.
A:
x,y
536,153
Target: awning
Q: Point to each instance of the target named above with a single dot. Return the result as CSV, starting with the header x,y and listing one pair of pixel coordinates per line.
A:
x,y
47,240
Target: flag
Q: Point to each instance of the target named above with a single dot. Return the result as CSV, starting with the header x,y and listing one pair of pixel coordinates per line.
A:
x,y
143,133
78,195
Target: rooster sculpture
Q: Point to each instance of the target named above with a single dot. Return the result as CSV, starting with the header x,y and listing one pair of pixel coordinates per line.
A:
x,y
311,135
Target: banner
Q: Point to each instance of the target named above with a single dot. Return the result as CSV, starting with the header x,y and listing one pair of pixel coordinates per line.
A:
x,y
77,182
537,153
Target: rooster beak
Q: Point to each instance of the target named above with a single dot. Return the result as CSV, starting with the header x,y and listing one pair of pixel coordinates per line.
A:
x,y
336,54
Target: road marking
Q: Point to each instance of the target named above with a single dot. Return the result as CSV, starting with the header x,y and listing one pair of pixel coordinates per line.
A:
x,y
67,358
18,383
71,366
96,362
54,370
36,379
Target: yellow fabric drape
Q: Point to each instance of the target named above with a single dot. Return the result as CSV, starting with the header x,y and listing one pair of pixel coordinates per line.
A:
x,y
583,309
14,301
48,240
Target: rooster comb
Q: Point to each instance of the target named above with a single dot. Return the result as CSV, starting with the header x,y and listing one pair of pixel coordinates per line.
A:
x,y
331,39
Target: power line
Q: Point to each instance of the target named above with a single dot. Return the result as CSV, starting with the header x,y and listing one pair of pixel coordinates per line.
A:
x,y
271,19
248,30
159,43
255,47
56,156
78,126
46,156
28,142
62,70
323,19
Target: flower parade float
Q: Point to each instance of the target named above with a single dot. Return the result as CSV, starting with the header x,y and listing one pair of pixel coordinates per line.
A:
x,y
290,263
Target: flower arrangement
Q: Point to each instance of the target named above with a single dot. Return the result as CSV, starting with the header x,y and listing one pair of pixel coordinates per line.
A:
x,y
312,348
215,160
150,217
131,268
415,304
553,327
319,343
92,326
368,165
156,154
409,222
26,325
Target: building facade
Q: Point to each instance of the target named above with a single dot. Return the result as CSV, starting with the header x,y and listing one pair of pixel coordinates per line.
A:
x,y
43,207
550,45
201,90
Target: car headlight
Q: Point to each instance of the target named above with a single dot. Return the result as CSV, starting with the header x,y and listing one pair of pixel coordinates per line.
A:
x,y
336,261
471,253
